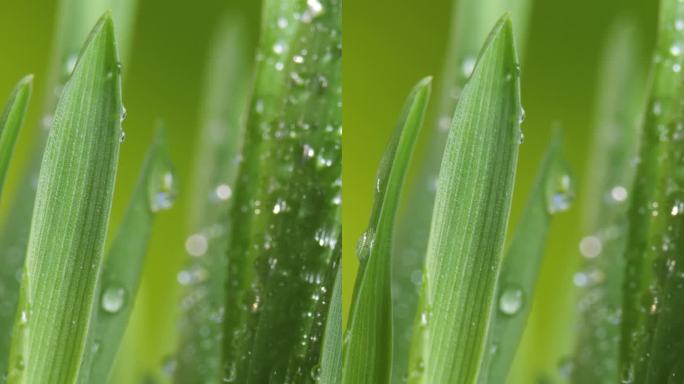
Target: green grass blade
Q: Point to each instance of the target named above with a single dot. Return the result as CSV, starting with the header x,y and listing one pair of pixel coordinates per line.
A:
x,y
120,278
227,90
331,355
287,198
654,218
11,121
553,193
69,224
471,211
368,342
471,23
606,194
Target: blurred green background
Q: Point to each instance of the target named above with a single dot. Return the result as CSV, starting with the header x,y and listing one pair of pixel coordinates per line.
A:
x,y
389,45
163,81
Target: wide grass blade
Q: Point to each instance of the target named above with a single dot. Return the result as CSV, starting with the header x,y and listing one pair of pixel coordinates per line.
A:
x,y
227,91
368,342
607,189
331,354
75,19
470,26
281,257
553,193
651,345
471,212
69,225
155,191
11,121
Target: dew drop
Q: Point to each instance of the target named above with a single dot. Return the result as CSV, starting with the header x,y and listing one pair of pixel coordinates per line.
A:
x,y
316,373
308,152
590,247
196,245
279,66
468,66
162,187
122,136
278,48
679,25
223,192
618,194
676,49
282,22
70,64
511,300
113,299
560,193
315,7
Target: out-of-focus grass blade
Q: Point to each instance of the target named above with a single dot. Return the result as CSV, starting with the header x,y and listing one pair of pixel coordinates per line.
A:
x,y
11,121
471,212
281,257
368,342
227,91
652,339
553,193
331,355
606,192
69,225
120,278
471,23
76,18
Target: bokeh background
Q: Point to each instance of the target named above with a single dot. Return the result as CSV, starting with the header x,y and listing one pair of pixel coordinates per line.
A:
x,y
164,80
389,45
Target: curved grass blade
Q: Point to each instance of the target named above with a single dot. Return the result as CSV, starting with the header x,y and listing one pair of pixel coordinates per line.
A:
x,y
607,189
331,355
470,217
287,198
553,193
11,121
651,289
120,278
227,90
368,342
76,18
471,23
70,218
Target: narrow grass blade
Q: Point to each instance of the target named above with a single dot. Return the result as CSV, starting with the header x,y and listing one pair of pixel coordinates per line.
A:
x,y
368,342
331,355
287,198
76,18
11,121
654,219
471,23
120,278
70,218
227,90
553,193
471,212
606,193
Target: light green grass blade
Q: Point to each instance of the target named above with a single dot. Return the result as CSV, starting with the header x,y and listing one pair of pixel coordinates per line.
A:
x,y
69,225
553,193
331,355
282,257
471,212
651,345
11,120
368,341
75,19
606,193
155,191
227,91
471,23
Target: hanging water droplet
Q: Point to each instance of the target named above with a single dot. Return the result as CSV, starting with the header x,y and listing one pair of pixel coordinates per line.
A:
x,y
70,64
521,115
122,136
196,245
511,300
113,299
468,66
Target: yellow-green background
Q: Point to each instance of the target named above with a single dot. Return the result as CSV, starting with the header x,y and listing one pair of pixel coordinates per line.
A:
x,y
164,80
390,44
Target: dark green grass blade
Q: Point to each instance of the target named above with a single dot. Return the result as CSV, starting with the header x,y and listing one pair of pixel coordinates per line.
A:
x,y
553,193
201,322
470,217
368,342
331,355
76,18
606,192
287,198
69,225
11,121
120,278
651,347
471,23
